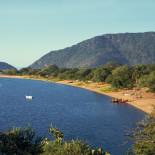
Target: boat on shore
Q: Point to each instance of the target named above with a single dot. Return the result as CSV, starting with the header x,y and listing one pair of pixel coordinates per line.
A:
x,y
117,100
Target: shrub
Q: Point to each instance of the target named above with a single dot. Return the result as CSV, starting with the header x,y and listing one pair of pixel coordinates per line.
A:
x,y
67,148
121,77
20,142
145,138
142,81
100,74
151,81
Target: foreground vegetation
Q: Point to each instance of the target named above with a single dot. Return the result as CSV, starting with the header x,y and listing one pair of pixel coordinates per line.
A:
x,y
119,76
145,137
23,141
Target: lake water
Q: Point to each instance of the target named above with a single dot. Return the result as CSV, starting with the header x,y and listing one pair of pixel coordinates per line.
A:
x,y
77,112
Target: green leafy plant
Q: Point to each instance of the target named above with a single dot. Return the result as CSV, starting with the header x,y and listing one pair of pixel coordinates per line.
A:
x,y
145,138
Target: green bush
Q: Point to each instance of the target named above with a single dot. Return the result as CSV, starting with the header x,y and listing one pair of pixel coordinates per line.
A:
x,y
20,141
142,81
61,147
139,71
145,138
50,70
121,77
151,81
67,148
84,74
100,74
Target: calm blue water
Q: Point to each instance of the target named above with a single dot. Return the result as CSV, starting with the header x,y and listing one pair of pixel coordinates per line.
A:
x,y
77,112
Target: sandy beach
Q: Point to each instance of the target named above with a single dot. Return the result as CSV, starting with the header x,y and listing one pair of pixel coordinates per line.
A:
x,y
140,99
11,76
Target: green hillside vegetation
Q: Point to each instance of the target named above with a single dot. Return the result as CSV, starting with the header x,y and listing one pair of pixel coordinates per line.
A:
x,y
125,48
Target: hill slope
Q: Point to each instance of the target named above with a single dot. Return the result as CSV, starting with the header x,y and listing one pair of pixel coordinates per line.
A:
x,y
5,66
125,48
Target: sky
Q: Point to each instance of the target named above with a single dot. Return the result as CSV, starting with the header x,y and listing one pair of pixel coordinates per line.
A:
x,y
31,28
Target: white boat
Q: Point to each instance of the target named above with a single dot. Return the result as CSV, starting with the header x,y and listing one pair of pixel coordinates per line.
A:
x,y
29,97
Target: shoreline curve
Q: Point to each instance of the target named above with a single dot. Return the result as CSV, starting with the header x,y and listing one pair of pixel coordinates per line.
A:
x,y
145,104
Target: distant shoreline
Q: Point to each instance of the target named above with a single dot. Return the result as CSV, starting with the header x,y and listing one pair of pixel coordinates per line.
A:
x,y
145,103
10,76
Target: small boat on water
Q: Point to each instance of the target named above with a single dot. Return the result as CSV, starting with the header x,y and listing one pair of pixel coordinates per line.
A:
x,y
29,97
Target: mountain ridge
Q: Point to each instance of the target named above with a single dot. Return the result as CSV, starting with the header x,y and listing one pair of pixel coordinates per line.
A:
x,y
124,48
6,66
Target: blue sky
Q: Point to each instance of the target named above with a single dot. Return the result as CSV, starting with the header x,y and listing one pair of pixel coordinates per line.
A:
x,y
31,28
